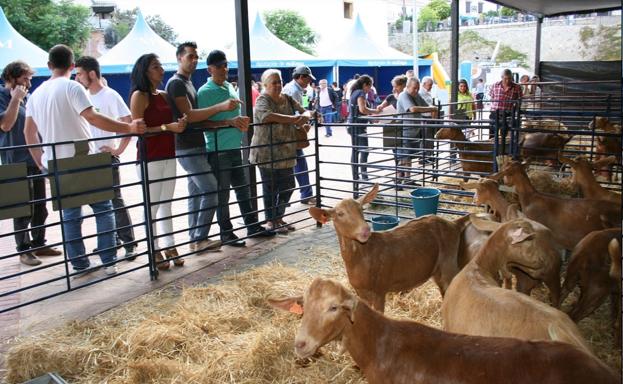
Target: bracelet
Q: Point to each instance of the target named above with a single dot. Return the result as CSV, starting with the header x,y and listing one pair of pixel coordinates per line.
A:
x,y
163,127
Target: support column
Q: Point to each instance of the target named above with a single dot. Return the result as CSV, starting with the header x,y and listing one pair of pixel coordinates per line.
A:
x,y
537,47
454,48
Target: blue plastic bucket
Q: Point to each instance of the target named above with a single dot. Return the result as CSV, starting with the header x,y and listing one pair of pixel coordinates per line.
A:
x,y
382,223
425,201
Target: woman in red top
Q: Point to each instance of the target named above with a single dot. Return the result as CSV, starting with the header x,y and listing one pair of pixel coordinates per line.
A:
x,y
151,104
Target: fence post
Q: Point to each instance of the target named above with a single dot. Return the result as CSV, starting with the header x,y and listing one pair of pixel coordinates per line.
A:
x,y
153,271
495,127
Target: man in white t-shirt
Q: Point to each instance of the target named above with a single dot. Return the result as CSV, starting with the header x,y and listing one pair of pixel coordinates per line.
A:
x,y
60,110
108,102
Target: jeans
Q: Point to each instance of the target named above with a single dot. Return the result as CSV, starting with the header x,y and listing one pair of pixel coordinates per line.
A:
x,y
74,245
202,192
328,115
161,191
36,220
277,185
359,156
125,231
231,172
303,177
502,123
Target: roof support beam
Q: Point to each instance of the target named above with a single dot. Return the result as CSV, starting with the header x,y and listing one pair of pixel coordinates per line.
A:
x,y
537,47
454,48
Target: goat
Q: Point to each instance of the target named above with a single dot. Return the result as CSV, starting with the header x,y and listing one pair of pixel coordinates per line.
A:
x,y
568,218
543,145
475,304
583,176
487,193
607,145
392,351
614,249
589,268
395,260
471,153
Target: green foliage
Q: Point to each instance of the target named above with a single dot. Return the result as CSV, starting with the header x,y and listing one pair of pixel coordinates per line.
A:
x,y
441,8
428,45
433,13
473,37
427,19
491,14
506,54
602,43
122,24
47,23
471,41
504,11
291,27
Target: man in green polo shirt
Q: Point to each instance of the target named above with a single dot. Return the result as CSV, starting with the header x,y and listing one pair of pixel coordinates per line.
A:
x,y
224,154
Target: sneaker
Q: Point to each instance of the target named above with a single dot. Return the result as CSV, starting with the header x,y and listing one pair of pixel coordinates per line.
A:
x,y
47,251
208,245
29,259
260,231
110,270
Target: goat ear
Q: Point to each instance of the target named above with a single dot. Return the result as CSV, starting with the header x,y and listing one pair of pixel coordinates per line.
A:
x,y
483,224
321,215
369,197
565,160
349,306
290,304
472,185
520,234
597,164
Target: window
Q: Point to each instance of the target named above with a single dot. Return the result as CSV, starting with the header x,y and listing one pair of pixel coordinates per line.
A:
x,y
480,7
348,10
468,6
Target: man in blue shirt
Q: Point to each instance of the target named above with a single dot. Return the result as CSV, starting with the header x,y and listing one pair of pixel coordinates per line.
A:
x,y
16,77
301,78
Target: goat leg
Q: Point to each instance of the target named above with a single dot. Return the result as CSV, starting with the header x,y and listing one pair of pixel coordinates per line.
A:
x,y
590,299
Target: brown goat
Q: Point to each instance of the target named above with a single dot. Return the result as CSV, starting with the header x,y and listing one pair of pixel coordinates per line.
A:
x,y
470,162
543,146
584,178
568,218
488,193
475,304
396,260
400,351
589,267
614,249
607,145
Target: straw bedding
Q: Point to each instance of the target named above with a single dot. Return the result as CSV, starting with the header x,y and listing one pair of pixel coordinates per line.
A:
x,y
224,333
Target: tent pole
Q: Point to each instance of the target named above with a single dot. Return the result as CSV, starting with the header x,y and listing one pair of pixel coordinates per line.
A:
x,y
244,82
454,70
416,67
537,49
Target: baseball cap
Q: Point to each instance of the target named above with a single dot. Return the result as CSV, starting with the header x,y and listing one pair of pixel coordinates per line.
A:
x,y
303,70
216,57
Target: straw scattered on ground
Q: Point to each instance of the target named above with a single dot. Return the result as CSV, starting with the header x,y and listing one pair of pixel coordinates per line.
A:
x,y
224,333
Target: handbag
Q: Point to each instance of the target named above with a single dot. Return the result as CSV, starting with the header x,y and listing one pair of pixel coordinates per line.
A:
x,y
301,138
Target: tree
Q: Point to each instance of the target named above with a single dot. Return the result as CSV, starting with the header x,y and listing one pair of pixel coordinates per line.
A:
x,y
433,13
505,11
291,27
47,23
124,21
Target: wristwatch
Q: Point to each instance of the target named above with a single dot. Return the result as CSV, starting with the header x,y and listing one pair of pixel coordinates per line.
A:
x,y
163,127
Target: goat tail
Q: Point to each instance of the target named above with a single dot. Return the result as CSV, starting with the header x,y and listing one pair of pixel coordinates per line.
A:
x,y
557,333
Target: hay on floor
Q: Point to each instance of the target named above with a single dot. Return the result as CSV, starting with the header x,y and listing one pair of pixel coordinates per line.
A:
x,y
223,333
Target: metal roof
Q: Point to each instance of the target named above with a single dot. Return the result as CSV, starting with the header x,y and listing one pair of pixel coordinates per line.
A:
x,y
549,8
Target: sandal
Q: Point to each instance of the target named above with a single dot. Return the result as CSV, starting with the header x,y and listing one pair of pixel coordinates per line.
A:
x,y
172,254
161,262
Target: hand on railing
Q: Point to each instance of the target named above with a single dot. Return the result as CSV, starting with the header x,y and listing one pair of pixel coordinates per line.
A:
x,y
229,104
301,119
179,126
306,127
137,126
112,151
240,122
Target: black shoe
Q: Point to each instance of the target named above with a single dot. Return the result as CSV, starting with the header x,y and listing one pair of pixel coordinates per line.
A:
x,y
260,231
233,241
130,253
